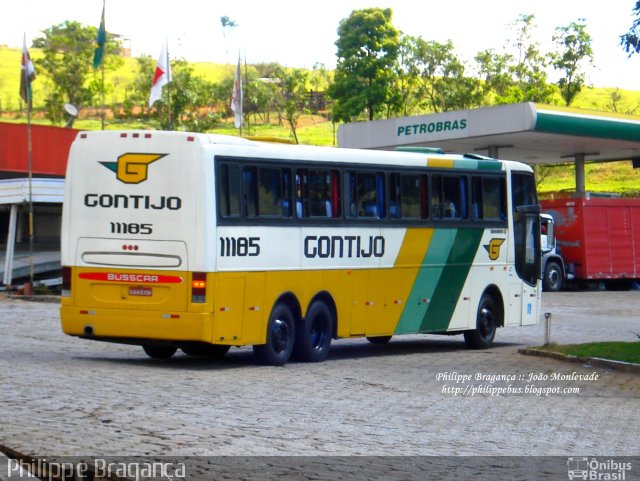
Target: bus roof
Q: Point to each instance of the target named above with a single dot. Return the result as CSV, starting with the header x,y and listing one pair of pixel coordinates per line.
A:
x,y
242,147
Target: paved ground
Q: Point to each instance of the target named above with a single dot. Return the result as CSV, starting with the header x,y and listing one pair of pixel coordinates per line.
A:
x,y
65,396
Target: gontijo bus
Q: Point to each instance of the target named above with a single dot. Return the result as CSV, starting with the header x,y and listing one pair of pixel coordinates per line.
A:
x,y
174,240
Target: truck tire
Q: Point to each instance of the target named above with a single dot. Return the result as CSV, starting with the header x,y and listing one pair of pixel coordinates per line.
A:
x,y
552,280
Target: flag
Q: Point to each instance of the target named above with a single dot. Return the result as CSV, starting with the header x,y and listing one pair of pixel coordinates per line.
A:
x,y
101,40
236,98
162,75
27,74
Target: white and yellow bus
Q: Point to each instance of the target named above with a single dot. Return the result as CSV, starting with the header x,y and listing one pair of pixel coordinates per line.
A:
x,y
174,240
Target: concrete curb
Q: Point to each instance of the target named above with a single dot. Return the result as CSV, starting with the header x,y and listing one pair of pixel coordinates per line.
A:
x,y
593,361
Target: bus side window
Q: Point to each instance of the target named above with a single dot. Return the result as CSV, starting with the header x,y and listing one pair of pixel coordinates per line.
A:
x,y
449,196
267,192
488,198
366,195
229,190
249,177
317,193
408,194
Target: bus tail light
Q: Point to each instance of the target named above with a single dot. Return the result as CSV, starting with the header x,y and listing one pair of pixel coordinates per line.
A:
x,y
66,282
198,287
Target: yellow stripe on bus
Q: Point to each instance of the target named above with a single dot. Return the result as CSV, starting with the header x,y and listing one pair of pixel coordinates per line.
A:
x,y
442,163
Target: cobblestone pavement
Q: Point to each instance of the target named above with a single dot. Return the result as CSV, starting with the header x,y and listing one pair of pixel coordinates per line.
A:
x,y
66,396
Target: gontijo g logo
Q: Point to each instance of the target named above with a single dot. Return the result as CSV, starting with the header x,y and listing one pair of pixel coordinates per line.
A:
x,y
132,168
493,248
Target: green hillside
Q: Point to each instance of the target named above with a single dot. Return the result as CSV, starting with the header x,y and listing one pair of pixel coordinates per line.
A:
x,y
617,177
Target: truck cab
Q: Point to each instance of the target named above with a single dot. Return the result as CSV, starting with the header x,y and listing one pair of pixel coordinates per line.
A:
x,y
553,268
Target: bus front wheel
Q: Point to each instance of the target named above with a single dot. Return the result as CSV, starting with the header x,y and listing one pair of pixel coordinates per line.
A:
x,y
313,336
281,334
487,321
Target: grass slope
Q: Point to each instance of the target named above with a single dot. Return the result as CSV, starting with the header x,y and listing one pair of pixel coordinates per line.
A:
x,y
616,177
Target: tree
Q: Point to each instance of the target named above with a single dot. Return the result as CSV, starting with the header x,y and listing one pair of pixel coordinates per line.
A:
x,y
67,59
407,89
441,74
573,48
498,84
294,94
190,95
630,41
367,54
530,66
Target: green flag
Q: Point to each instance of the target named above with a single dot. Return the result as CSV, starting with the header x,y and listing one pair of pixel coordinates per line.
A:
x,y
101,40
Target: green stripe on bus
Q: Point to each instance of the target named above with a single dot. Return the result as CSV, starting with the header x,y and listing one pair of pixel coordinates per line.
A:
x,y
437,287
476,164
455,273
425,282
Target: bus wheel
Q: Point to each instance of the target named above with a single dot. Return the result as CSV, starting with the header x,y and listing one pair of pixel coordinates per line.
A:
x,y
552,281
281,334
313,336
212,351
379,339
155,351
487,321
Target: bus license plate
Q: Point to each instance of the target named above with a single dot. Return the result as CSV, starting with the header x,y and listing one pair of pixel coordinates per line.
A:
x,y
141,291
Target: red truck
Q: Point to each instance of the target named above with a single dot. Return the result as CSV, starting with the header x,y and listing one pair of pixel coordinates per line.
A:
x,y
598,238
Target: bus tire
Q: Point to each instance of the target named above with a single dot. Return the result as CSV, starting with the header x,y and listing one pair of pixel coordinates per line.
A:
x,y
281,332
155,351
552,280
379,339
211,351
313,335
487,321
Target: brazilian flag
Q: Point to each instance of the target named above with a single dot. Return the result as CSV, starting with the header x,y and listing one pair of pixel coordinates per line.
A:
x,y
101,40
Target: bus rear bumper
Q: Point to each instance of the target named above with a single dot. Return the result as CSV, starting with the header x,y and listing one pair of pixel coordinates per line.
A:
x,y
121,325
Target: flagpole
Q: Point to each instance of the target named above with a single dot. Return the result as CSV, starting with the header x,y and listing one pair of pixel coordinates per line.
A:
x,y
102,114
104,6
169,89
29,165
246,85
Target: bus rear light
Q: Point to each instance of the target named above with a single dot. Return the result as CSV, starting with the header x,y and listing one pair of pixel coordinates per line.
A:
x,y
66,282
198,287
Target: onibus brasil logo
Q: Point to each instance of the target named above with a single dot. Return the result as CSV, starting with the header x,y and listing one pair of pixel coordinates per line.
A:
x,y
132,168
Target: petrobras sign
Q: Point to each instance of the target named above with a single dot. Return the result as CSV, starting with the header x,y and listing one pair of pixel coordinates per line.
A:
x,y
433,126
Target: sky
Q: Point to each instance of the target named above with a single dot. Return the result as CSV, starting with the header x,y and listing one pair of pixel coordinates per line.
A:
x,y
298,33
